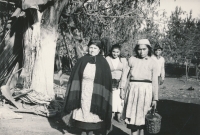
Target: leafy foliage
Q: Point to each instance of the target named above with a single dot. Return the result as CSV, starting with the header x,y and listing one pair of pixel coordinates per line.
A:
x,y
183,35
123,21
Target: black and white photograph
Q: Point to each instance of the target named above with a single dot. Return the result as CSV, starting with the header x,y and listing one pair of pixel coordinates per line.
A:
x,y
99,67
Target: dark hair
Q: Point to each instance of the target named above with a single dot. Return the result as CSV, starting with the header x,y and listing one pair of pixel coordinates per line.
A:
x,y
149,50
115,46
155,49
95,42
157,46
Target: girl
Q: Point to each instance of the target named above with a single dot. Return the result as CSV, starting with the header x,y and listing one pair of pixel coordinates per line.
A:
x,y
142,92
119,70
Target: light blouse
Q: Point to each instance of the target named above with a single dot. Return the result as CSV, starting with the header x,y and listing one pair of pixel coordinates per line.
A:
x,y
161,66
145,69
119,69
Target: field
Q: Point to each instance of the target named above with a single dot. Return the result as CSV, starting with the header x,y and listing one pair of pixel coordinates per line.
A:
x,y
179,108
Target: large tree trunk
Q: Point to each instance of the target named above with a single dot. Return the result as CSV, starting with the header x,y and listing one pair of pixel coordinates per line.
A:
x,y
43,71
31,43
39,33
42,78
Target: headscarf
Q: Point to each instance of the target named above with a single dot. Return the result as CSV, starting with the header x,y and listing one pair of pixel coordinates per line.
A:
x,y
143,42
95,42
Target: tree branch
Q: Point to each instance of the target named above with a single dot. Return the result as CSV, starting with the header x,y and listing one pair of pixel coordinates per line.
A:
x,y
111,16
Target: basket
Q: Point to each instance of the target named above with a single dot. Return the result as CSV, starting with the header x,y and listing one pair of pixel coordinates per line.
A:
x,y
153,122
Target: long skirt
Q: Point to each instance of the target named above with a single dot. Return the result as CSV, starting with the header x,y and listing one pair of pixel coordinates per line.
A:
x,y
118,103
137,103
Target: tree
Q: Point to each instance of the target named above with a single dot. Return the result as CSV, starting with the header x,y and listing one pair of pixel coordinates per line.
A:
x,y
118,19
182,33
122,21
39,33
182,38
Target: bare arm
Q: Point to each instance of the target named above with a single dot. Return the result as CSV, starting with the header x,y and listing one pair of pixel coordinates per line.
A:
x,y
124,74
155,81
163,70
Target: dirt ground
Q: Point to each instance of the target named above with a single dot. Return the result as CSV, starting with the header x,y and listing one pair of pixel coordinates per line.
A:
x,y
179,108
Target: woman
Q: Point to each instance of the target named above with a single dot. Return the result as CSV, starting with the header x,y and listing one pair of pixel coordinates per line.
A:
x,y
119,70
142,92
106,46
88,101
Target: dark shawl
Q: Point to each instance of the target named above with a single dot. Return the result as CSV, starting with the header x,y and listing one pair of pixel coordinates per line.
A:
x,y
101,103
106,45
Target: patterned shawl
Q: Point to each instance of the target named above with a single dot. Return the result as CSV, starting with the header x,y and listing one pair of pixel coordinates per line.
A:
x,y
101,103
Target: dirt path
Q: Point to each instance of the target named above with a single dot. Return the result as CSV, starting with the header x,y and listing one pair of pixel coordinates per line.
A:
x,y
180,110
177,89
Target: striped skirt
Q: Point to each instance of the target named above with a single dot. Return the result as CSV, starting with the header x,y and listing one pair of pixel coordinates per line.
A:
x,y
137,102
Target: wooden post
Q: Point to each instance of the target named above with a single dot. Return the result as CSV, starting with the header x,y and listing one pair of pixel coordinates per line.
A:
x,y
186,74
197,71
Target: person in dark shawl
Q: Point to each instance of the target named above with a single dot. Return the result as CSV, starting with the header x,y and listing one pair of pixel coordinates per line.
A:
x,y
106,46
88,99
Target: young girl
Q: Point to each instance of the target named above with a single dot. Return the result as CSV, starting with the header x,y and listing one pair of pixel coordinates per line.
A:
x,y
119,70
161,62
142,92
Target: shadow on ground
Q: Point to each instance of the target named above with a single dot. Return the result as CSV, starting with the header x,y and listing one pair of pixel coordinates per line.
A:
x,y
57,123
117,131
179,118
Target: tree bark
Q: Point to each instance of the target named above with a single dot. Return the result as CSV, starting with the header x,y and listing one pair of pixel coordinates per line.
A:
x,y
42,77
31,43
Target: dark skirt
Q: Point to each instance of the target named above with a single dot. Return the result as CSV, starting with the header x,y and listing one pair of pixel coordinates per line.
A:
x,y
88,126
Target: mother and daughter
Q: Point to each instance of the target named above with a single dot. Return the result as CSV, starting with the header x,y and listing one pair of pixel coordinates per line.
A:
x,y
97,89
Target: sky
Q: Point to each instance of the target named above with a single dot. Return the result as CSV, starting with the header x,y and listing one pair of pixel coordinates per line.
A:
x,y
186,5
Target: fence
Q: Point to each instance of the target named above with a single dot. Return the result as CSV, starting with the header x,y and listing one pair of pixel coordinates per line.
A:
x,y
176,70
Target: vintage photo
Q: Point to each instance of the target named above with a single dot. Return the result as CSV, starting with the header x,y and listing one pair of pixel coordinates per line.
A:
x,y
99,67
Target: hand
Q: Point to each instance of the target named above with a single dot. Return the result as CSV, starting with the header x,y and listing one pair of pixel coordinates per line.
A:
x,y
122,94
161,81
8,27
154,104
122,103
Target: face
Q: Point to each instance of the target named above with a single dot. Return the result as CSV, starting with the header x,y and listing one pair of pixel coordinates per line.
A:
x,y
158,52
143,51
115,53
94,50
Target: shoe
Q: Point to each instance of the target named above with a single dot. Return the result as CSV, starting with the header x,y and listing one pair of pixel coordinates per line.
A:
x,y
120,120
